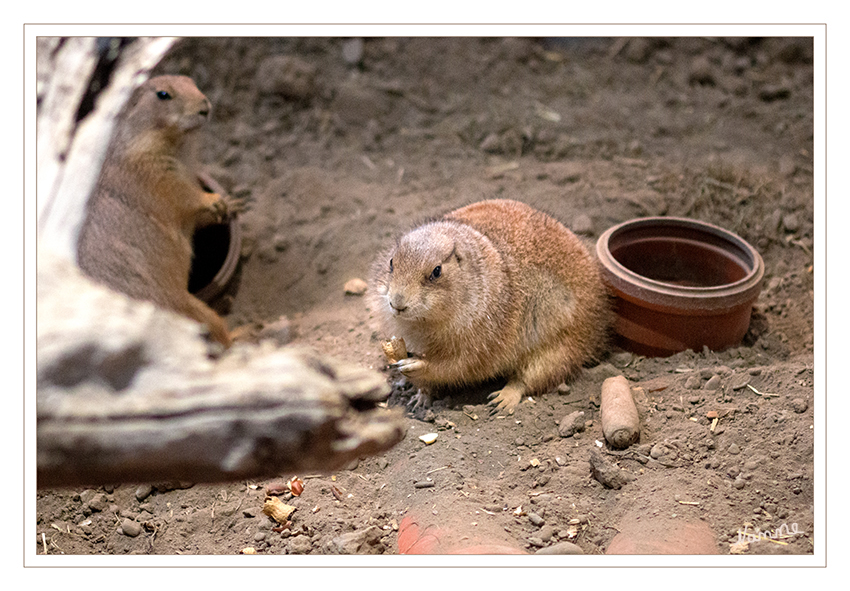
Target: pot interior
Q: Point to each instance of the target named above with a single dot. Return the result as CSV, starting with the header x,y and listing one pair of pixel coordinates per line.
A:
x,y
680,255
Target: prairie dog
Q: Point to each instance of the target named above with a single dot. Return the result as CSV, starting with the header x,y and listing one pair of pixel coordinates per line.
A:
x,y
494,289
137,237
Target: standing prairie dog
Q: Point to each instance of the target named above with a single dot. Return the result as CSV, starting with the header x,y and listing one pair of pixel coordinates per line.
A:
x,y
137,237
494,289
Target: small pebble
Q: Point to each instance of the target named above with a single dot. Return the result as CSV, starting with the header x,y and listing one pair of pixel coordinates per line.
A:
x,y
740,382
561,548
713,383
98,502
300,545
734,449
535,519
143,492
660,451
739,483
693,383
130,528
799,405
607,474
571,424
423,484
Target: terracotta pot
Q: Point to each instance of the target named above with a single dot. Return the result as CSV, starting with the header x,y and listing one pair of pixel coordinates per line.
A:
x,y
216,251
679,284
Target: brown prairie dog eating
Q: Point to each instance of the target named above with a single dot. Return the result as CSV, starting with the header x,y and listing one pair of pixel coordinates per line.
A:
x,y
494,289
137,237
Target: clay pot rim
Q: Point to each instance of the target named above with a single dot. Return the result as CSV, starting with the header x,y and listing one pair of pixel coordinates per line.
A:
x,y
222,278
667,296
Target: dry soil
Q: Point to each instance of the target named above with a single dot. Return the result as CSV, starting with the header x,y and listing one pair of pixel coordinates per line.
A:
x,y
339,144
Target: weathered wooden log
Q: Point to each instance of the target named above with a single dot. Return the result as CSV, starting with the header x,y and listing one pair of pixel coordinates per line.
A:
x,y
127,392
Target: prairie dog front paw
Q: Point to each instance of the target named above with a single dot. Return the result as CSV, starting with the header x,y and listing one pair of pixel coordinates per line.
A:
x,y
411,367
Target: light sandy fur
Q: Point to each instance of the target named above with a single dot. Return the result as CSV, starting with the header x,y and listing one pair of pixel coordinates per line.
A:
x,y
494,289
137,238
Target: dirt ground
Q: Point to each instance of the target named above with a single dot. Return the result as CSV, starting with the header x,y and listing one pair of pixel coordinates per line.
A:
x,y
339,144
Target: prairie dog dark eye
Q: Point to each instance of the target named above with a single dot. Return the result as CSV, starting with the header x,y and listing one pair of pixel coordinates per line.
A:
x,y
163,95
435,274
391,265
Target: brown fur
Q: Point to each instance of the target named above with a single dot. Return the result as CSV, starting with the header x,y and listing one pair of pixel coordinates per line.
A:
x,y
137,237
518,296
